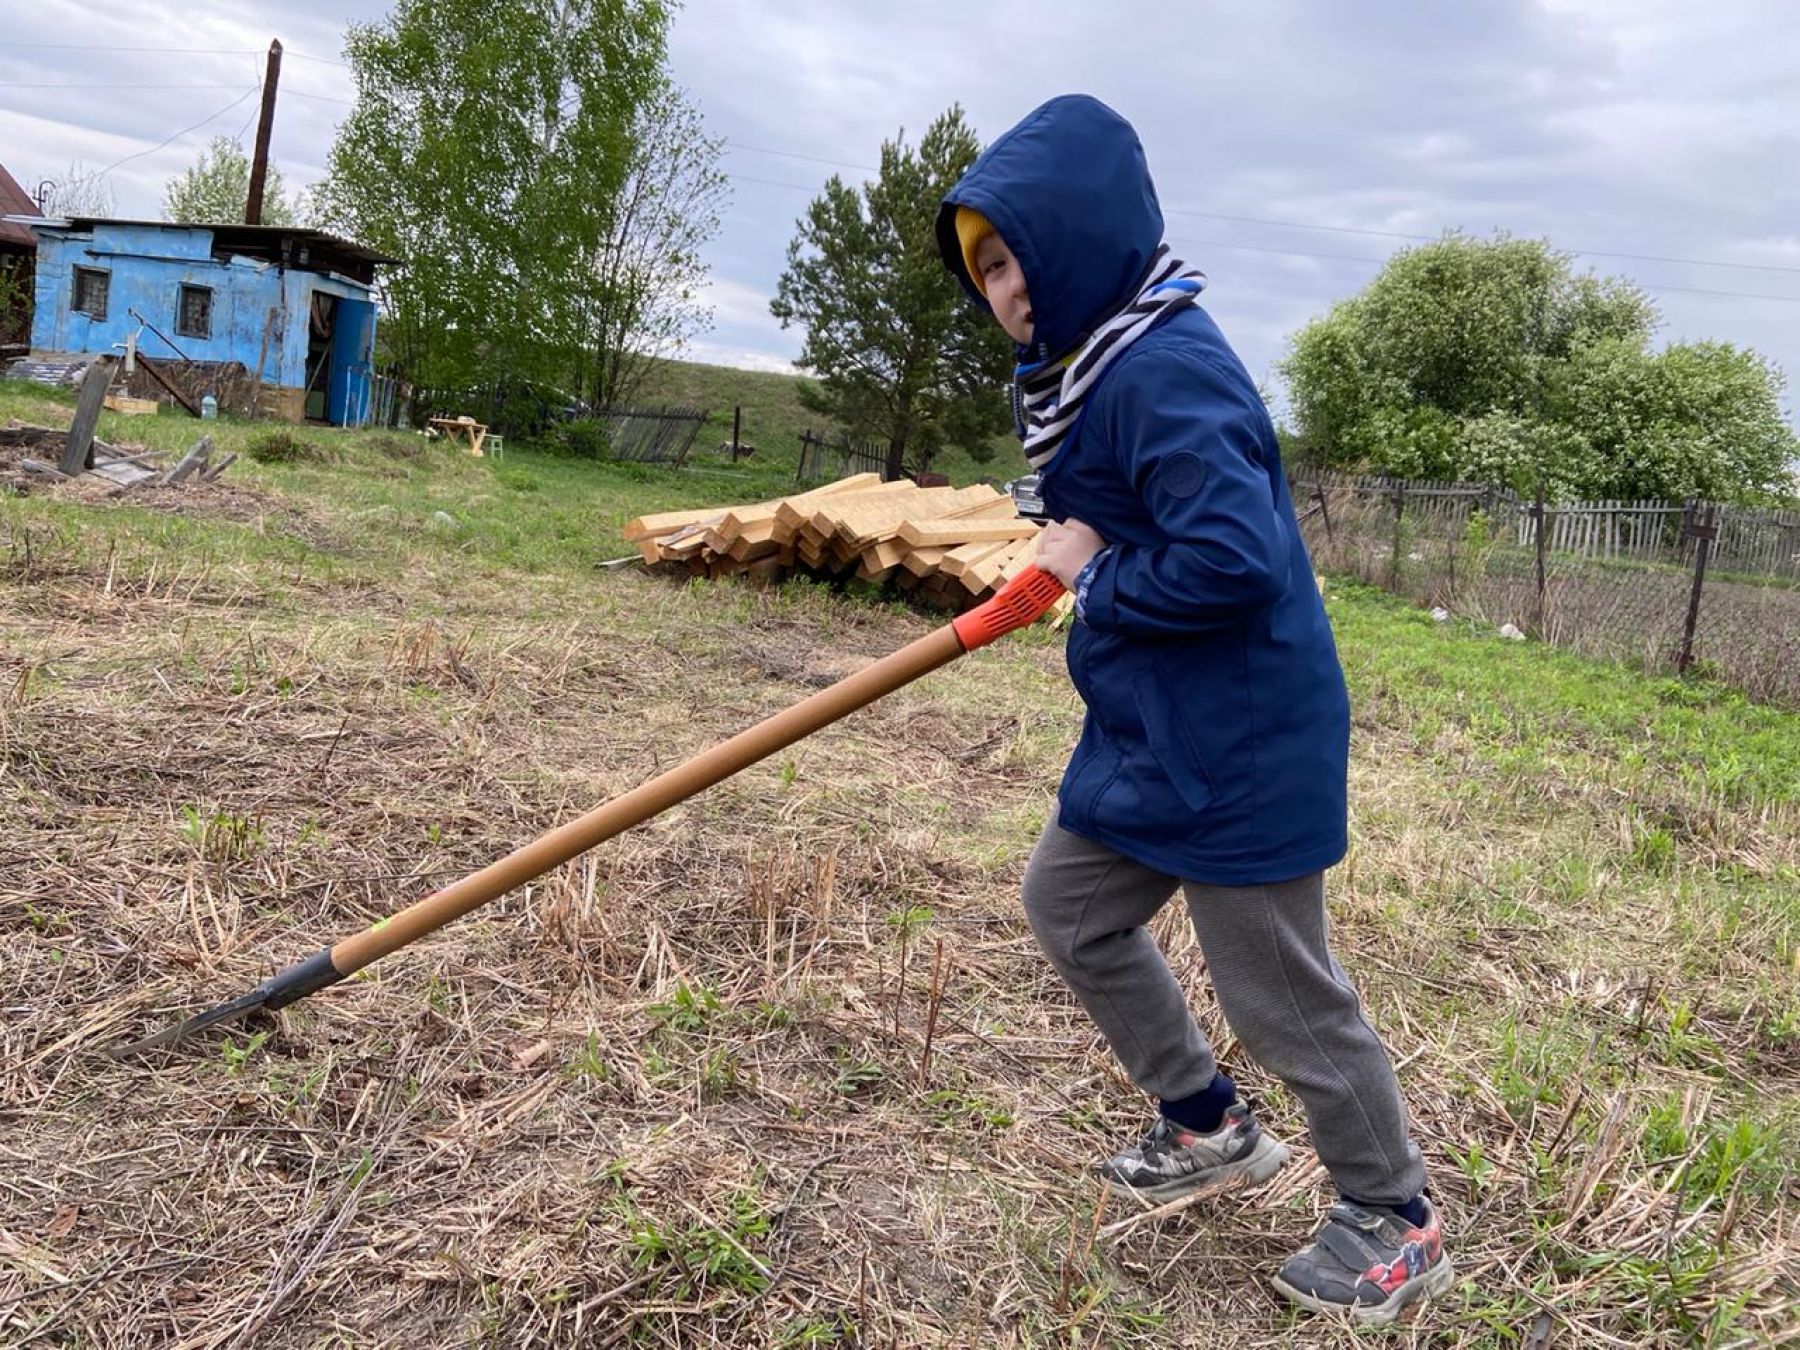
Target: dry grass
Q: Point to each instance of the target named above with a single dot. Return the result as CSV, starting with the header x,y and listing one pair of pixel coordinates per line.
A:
x,y
783,1067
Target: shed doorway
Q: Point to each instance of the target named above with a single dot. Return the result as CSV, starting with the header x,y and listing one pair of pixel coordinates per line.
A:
x,y
321,326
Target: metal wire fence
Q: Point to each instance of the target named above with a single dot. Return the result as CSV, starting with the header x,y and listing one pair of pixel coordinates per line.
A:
x,y
1663,585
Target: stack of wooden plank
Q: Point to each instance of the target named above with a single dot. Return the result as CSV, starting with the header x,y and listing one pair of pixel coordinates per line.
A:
x,y
950,548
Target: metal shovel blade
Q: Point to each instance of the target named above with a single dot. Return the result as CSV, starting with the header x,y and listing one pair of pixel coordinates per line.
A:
x,y
212,1017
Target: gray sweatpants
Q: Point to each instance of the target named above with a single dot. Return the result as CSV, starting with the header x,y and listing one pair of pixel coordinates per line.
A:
x,y
1283,994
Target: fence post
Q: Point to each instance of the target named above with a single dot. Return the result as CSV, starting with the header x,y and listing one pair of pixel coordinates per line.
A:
x,y
1703,530
1539,521
1325,511
1452,539
1399,515
737,413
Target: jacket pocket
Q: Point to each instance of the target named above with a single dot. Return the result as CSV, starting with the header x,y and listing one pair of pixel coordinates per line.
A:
x,y
1086,781
1171,742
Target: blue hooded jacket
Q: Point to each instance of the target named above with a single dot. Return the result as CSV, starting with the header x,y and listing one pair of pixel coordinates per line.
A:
x,y
1216,742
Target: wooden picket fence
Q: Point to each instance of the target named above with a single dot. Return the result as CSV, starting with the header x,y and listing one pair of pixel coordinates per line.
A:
x,y
820,458
652,435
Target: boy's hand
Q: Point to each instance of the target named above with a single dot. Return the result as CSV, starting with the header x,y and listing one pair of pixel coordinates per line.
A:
x,y
1064,547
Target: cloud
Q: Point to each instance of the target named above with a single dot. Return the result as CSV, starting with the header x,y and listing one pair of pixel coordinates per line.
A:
x,y
737,303
743,358
116,98
1648,127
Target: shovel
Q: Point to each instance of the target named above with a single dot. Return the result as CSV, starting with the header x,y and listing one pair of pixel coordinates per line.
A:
x,y
1021,601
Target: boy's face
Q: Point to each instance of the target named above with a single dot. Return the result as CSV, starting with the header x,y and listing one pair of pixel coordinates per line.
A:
x,y
1004,286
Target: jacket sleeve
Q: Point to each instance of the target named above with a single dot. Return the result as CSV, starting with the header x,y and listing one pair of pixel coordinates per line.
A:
x,y
1194,440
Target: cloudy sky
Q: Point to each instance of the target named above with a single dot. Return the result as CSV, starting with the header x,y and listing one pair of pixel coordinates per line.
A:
x,y
1296,143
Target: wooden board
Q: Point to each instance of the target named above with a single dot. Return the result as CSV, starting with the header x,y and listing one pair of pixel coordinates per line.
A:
x,y
983,502
747,550
1025,557
762,514
923,562
945,547
883,520
125,475
964,556
666,521
944,533
793,513
847,515
989,571
78,448
689,545
131,407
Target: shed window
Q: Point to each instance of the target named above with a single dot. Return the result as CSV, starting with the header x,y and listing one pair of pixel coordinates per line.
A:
x,y
90,291
193,317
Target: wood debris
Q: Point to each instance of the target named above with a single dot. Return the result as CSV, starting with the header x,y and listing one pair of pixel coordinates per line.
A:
x,y
947,548
119,468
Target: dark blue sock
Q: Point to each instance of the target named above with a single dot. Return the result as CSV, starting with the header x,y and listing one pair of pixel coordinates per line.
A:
x,y
1205,1111
1413,1211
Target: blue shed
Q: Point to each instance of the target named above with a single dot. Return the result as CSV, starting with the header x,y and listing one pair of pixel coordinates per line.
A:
x,y
294,307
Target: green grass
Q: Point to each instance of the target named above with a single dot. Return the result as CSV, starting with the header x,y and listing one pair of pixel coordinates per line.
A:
x,y
1533,707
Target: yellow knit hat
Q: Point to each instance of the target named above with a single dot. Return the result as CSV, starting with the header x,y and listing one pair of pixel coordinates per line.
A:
x,y
971,228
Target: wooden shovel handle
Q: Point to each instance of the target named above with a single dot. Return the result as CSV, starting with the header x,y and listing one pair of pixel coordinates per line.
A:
x,y
650,799
1026,598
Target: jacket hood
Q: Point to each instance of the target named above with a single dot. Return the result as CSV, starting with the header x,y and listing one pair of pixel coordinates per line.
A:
x,y
1069,191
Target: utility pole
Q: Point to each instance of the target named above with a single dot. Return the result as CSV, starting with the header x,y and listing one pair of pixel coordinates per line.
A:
x,y
259,166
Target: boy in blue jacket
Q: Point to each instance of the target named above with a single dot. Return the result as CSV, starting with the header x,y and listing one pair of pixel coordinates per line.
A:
x,y
1214,753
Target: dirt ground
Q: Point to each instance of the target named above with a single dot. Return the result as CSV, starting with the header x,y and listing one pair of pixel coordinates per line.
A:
x,y
781,1067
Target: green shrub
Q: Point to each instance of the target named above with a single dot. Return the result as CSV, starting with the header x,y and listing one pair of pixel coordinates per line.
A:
x,y
284,447
584,439
409,448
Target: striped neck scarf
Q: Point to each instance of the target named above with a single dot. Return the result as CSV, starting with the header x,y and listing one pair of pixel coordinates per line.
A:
x,y
1048,395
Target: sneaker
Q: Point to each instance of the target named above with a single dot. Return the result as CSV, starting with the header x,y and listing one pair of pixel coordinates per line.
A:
x,y
1369,1263
1173,1161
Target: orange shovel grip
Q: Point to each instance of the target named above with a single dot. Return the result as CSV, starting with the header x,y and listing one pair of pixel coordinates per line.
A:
x,y
1023,600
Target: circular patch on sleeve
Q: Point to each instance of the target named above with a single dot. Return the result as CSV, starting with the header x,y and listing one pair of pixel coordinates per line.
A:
x,y
1181,475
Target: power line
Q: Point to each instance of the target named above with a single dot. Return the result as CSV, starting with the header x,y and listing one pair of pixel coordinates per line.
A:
x,y
1335,229
251,117
1376,262
86,85
322,98
1735,295
321,60
174,51
85,47
1292,252
297,93
1336,257
1433,238
794,154
771,182
1263,221
184,131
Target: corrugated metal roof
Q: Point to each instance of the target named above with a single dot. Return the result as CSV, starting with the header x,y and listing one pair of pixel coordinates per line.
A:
x,y
248,238
15,202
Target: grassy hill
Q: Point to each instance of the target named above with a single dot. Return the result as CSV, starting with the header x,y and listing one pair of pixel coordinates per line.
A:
x,y
773,417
